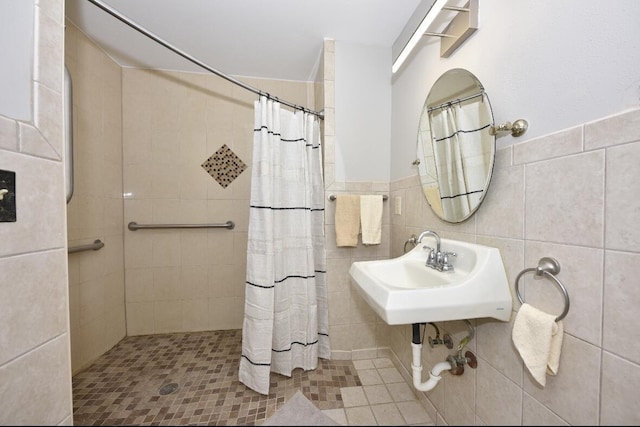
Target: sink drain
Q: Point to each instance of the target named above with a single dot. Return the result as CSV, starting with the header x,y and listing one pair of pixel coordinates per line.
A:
x,y
168,389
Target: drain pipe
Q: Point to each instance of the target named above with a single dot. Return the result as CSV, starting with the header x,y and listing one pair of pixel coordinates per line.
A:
x,y
416,365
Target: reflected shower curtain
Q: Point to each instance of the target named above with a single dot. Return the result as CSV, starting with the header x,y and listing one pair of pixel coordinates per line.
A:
x,y
286,321
460,159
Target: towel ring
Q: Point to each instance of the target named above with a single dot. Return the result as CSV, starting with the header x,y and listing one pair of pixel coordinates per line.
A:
x,y
549,267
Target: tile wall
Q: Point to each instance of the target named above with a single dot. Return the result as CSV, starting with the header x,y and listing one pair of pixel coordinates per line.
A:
x,y
193,279
570,196
96,278
143,140
35,373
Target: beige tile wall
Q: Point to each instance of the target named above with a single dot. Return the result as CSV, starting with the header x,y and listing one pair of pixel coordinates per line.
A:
x,y
187,280
570,196
96,278
35,374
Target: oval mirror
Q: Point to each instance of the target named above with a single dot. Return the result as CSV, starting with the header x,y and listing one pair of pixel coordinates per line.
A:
x,y
455,149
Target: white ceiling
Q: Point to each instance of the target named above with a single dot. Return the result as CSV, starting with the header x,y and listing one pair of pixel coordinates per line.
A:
x,y
276,39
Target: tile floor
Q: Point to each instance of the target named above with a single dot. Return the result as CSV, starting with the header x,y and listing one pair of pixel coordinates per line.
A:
x,y
383,399
191,379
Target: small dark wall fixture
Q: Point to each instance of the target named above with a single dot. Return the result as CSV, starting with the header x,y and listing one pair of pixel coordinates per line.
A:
x,y
7,196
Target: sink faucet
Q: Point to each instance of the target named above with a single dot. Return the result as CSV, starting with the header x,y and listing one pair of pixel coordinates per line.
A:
x,y
436,258
430,233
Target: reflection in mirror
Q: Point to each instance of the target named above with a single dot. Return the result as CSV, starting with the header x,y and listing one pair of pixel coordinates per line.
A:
x,y
455,149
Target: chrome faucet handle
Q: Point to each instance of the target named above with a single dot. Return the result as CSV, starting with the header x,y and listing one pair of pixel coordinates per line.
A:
x,y
446,264
431,257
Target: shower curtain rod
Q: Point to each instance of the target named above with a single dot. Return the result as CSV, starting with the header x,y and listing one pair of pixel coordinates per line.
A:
x,y
455,101
188,57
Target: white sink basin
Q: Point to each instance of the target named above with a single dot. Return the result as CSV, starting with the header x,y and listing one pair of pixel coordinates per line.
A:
x,y
404,290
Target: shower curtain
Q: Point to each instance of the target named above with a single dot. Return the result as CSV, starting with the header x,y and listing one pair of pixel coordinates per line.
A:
x,y
286,313
460,159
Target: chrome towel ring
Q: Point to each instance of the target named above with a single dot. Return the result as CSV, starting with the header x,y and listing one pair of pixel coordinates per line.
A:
x,y
549,267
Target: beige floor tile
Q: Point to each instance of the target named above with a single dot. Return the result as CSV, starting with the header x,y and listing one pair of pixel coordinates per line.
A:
x,y
360,416
383,362
401,392
353,396
390,375
387,414
414,413
369,377
363,364
377,394
337,415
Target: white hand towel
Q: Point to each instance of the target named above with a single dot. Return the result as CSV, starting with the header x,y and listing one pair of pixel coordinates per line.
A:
x,y
371,219
538,338
347,220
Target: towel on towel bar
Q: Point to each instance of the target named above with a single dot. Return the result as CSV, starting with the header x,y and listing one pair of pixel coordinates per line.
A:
x,y
538,338
371,219
347,220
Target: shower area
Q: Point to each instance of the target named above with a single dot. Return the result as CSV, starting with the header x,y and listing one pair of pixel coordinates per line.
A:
x,y
148,148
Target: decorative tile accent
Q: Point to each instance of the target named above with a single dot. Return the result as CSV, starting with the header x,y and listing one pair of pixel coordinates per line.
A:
x,y
224,166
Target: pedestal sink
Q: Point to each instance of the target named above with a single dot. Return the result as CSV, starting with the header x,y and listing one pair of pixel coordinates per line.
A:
x,y
405,290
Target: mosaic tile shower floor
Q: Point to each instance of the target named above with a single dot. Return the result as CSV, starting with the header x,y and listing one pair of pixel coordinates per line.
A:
x,y
126,385
191,379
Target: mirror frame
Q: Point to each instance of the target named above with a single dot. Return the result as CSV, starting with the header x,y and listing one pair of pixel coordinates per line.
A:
x,y
442,95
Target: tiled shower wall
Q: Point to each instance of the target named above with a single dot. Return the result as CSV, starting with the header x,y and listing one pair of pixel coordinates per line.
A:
x,y
144,135
189,279
569,195
96,278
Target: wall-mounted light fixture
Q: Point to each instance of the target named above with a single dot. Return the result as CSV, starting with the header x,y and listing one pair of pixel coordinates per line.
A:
x,y
457,30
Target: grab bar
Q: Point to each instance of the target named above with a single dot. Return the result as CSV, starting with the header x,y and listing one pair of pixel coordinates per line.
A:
x,y
97,244
332,197
68,133
133,226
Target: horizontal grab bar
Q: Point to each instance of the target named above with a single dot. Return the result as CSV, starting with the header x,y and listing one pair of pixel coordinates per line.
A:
x,y
133,226
97,244
332,197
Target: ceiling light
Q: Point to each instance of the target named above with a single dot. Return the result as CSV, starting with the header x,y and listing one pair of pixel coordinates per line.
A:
x,y
459,28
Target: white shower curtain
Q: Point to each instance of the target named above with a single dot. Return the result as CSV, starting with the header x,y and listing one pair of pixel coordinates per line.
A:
x,y
459,156
449,164
286,321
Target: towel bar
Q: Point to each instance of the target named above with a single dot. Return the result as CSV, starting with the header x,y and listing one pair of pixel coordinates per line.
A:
x,y
549,267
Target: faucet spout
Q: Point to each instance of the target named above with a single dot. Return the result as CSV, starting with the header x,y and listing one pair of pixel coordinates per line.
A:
x,y
434,235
